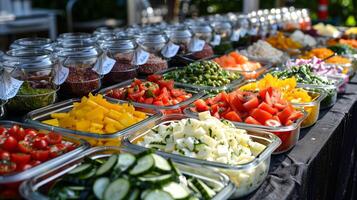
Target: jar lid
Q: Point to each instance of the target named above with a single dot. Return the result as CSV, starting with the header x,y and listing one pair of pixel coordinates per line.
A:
x,y
201,28
77,50
221,26
119,43
35,42
179,32
33,58
152,37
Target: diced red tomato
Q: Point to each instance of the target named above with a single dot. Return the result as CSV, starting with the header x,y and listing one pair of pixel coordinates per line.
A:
x,y
232,116
201,105
261,115
251,104
41,155
20,158
158,103
169,84
285,114
295,116
53,138
266,107
149,100
154,78
9,144
288,122
251,120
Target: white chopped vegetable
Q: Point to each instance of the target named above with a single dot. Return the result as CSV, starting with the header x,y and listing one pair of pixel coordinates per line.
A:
x,y
207,138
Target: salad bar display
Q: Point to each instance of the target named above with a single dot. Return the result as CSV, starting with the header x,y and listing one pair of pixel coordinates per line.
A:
x,y
190,111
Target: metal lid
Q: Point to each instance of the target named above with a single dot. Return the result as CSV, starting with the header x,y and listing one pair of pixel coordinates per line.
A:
x,y
35,42
119,43
34,58
201,27
152,40
179,32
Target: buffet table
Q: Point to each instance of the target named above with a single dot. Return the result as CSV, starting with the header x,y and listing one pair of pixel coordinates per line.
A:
x,y
322,165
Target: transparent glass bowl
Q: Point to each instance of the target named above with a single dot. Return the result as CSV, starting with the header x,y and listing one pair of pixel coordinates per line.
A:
x,y
113,139
177,108
28,102
247,177
12,180
37,187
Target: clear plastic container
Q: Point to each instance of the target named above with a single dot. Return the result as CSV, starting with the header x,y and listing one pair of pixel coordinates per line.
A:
x,y
152,42
114,139
37,187
10,182
223,29
289,135
36,68
35,42
311,108
209,89
247,177
121,49
80,57
177,108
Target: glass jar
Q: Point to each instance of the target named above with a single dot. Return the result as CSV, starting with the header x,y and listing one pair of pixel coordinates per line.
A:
x,y
80,57
152,42
35,42
181,36
222,38
121,49
35,67
202,31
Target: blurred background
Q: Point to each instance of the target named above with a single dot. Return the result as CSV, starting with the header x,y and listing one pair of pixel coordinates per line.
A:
x,y
29,18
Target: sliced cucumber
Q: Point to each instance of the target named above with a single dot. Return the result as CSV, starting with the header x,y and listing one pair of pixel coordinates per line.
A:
x,y
157,179
76,188
143,165
134,194
158,195
176,190
83,168
206,191
144,193
125,161
161,163
104,168
117,190
89,174
99,186
194,188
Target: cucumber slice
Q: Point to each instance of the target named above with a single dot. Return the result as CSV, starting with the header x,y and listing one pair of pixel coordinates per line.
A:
x,y
89,174
99,186
76,188
107,165
176,190
194,188
125,161
143,165
206,191
158,195
161,163
134,194
117,190
83,168
157,179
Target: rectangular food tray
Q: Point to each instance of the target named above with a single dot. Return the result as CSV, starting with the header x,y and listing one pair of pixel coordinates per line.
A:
x,y
196,94
256,170
113,139
204,88
26,174
36,188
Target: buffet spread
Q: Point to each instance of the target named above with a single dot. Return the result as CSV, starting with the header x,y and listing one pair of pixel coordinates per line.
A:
x,y
166,111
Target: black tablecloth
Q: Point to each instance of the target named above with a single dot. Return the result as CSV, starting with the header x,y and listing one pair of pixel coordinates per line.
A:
x,y
322,165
